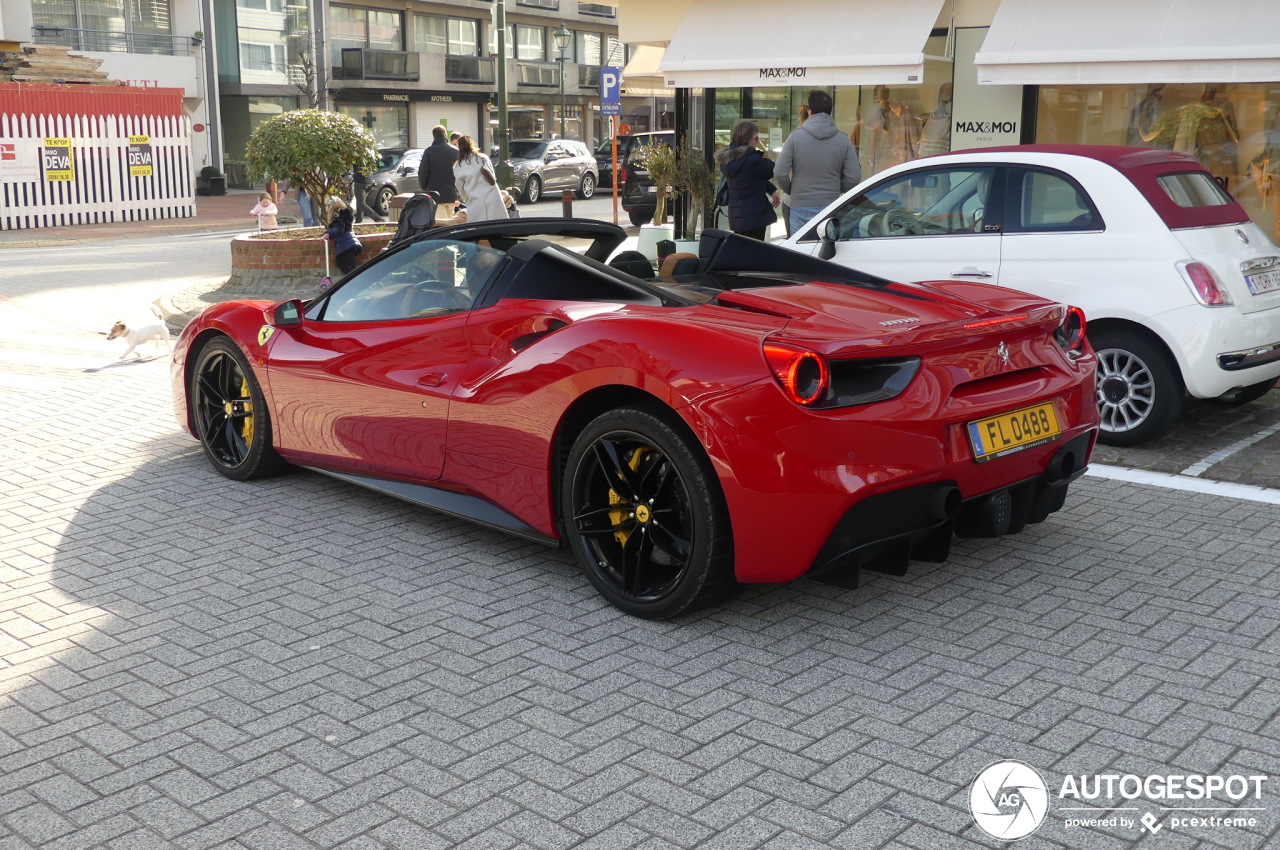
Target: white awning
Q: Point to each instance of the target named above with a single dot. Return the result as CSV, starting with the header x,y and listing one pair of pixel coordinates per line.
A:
x,y
1093,42
811,43
641,77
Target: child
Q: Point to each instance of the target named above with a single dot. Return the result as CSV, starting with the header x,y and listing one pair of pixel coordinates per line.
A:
x,y
346,247
266,212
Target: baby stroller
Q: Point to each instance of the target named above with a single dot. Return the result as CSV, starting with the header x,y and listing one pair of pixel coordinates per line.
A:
x,y
417,216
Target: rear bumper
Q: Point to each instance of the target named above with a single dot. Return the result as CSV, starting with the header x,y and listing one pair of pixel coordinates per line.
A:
x,y
883,533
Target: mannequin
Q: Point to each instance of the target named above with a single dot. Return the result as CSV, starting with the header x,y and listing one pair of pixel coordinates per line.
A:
x,y
888,135
935,134
1143,118
1206,128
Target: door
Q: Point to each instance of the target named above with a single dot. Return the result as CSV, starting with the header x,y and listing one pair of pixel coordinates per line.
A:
x,y
364,384
928,224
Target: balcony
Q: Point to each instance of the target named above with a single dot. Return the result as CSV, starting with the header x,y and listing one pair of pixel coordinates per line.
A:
x,y
468,69
362,63
589,77
538,74
104,41
598,9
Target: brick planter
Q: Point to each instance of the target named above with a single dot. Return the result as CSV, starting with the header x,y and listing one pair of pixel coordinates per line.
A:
x,y
290,267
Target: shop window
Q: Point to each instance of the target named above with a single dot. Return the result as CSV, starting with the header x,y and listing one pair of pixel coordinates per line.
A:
x,y
1232,129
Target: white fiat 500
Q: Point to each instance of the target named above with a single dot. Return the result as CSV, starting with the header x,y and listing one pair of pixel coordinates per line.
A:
x,y
1180,289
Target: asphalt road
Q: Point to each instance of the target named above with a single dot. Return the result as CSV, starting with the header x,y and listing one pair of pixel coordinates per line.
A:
x,y
190,662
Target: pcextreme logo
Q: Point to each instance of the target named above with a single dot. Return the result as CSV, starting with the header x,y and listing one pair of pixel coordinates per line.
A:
x,y
1010,800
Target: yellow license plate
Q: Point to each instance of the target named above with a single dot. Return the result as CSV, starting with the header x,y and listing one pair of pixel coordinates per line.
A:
x,y
1014,431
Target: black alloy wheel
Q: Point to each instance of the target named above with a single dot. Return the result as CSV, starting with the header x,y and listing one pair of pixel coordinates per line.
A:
x,y
533,190
1139,388
382,203
588,187
644,514
230,415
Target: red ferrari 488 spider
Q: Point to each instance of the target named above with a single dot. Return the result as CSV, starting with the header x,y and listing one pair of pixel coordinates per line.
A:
x,y
756,416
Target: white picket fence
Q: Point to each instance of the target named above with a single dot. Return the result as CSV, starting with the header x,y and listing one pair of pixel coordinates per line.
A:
x,y
103,190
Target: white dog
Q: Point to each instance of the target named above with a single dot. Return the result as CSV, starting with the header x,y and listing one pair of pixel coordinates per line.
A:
x,y
154,331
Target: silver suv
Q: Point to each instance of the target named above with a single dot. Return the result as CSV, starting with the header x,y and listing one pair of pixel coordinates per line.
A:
x,y
540,165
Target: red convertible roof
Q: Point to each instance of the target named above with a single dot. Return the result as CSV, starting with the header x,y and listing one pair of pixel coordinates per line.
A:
x,y
1142,167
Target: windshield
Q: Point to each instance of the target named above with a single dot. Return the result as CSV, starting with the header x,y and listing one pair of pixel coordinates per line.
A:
x,y
528,149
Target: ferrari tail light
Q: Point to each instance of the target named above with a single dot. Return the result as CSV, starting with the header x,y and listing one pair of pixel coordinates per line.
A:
x,y
804,375
1070,334
810,380
1204,286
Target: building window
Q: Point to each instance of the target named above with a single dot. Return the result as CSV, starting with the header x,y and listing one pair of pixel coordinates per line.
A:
x,y
530,42
374,29
451,36
134,26
588,47
261,57
598,9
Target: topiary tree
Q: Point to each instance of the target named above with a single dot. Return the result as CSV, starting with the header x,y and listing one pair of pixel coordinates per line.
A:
x,y
310,148
660,160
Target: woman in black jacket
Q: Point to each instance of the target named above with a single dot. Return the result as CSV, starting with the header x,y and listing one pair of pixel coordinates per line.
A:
x,y
748,173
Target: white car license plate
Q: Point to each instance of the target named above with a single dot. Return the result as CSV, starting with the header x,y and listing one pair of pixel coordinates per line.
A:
x,y
1263,281
652,190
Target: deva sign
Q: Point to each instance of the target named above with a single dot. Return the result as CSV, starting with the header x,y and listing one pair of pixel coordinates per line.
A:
x,y
57,160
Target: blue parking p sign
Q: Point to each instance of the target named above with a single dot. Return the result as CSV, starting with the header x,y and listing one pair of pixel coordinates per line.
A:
x,y
610,91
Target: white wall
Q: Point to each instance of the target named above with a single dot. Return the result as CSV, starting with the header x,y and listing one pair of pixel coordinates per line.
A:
x,y
15,20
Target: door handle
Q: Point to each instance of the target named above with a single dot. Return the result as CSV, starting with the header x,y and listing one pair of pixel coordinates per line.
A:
x,y
432,379
971,272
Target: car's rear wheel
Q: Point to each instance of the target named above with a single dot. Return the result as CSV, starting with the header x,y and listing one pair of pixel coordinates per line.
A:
x,y
533,190
587,188
382,203
638,217
229,413
644,514
1139,388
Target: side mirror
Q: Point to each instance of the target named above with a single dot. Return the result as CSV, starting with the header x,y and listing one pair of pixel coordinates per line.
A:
x,y
285,314
830,234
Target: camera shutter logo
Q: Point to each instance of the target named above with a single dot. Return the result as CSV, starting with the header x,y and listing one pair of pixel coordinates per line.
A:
x,y
1009,800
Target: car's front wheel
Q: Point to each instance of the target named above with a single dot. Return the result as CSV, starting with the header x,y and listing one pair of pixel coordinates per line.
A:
x,y
229,413
587,187
382,203
644,514
1139,388
532,190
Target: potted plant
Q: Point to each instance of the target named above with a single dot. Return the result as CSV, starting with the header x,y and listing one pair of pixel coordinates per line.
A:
x,y
211,182
695,181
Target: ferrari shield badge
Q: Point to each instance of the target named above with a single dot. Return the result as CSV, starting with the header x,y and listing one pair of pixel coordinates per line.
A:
x,y
265,334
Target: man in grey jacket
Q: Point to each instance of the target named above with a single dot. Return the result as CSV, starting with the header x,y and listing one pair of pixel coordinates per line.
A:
x,y
818,163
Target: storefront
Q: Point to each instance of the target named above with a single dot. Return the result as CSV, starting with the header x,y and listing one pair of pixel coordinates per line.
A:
x,y
940,75
403,119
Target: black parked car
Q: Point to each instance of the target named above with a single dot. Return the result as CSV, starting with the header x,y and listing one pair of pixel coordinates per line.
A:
x,y
639,194
397,173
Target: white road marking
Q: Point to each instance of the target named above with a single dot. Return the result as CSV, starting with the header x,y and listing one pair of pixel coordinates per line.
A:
x,y
1187,483
1224,453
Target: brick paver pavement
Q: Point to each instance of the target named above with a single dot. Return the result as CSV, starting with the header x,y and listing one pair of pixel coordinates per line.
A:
x,y
189,662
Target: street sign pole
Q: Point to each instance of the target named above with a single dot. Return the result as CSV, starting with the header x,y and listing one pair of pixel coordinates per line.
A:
x,y
611,105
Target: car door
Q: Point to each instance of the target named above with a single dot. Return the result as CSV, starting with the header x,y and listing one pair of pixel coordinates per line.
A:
x,y
407,174
934,223
558,171
364,384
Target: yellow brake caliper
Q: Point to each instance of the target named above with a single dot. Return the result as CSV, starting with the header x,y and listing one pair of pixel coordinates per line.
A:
x,y
619,517
246,430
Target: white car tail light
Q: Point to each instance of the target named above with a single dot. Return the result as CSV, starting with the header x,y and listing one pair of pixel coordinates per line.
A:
x,y
1204,286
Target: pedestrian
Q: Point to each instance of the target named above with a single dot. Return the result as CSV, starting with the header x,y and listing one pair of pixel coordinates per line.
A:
x,y
784,208
266,212
435,173
748,172
346,247
305,207
818,162
361,184
477,184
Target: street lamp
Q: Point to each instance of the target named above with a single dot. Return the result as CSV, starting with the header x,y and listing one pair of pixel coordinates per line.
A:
x,y
562,37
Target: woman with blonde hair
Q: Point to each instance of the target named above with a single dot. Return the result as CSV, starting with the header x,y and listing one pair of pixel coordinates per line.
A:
x,y
477,183
346,247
